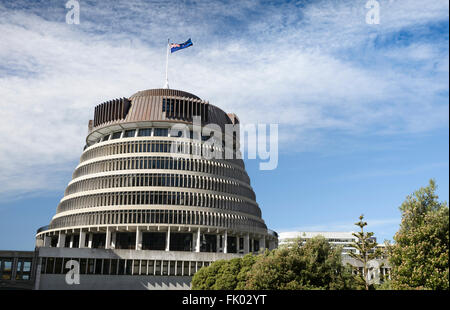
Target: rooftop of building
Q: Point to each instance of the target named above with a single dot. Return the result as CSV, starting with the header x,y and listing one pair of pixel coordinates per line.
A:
x,y
311,234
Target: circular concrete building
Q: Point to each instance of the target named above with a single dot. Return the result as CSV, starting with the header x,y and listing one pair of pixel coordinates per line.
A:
x,y
145,201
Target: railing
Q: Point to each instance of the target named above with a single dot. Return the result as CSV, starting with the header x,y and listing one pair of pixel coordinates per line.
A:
x,y
41,229
272,233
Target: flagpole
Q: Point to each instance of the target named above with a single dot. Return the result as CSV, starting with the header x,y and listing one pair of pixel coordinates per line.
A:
x,y
167,66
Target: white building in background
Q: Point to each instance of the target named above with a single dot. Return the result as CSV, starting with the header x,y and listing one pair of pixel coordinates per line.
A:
x,y
378,268
345,239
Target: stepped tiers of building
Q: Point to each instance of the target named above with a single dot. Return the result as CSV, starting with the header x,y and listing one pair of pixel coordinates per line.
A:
x,y
133,207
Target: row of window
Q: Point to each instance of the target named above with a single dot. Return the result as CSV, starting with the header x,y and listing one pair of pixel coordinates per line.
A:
x,y
170,163
22,269
101,266
195,149
134,198
158,179
144,132
176,217
151,132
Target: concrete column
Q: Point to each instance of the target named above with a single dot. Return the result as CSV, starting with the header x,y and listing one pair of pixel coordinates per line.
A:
x,y
262,244
113,240
47,241
246,244
138,238
218,248
71,241
237,243
108,238
82,239
167,240
90,240
61,240
14,266
225,242
38,273
197,241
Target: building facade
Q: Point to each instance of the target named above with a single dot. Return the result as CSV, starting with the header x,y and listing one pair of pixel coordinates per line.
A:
x,y
17,270
145,207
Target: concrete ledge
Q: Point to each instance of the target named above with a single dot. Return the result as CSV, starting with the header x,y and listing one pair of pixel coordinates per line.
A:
x,y
134,254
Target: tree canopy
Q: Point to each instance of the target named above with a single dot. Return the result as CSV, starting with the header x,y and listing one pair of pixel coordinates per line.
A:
x,y
365,245
419,256
310,265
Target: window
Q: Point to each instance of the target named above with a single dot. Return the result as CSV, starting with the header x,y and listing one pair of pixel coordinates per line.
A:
x,y
50,265
83,265
23,270
90,266
136,264
143,267
161,132
129,133
128,267
172,268
98,240
5,269
116,135
121,267
151,267
98,266
185,268
114,266
106,264
146,132
165,268
105,138
158,267
58,265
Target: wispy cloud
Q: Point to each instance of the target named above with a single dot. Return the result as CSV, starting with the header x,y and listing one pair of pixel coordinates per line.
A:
x,y
318,65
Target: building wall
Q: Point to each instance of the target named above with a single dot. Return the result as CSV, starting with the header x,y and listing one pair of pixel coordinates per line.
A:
x,y
107,282
140,269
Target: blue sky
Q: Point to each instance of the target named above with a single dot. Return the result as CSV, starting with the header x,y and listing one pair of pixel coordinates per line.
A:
x,y
362,109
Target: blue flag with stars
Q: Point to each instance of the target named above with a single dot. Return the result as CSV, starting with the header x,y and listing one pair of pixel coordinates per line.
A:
x,y
175,46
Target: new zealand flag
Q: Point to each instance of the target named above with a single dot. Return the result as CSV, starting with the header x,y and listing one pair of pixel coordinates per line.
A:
x,y
175,46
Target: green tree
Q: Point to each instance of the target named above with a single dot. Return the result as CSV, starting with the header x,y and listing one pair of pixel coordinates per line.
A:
x,y
312,265
366,251
419,256
205,278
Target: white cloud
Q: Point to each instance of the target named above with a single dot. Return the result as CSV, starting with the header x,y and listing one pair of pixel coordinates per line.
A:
x,y
281,64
